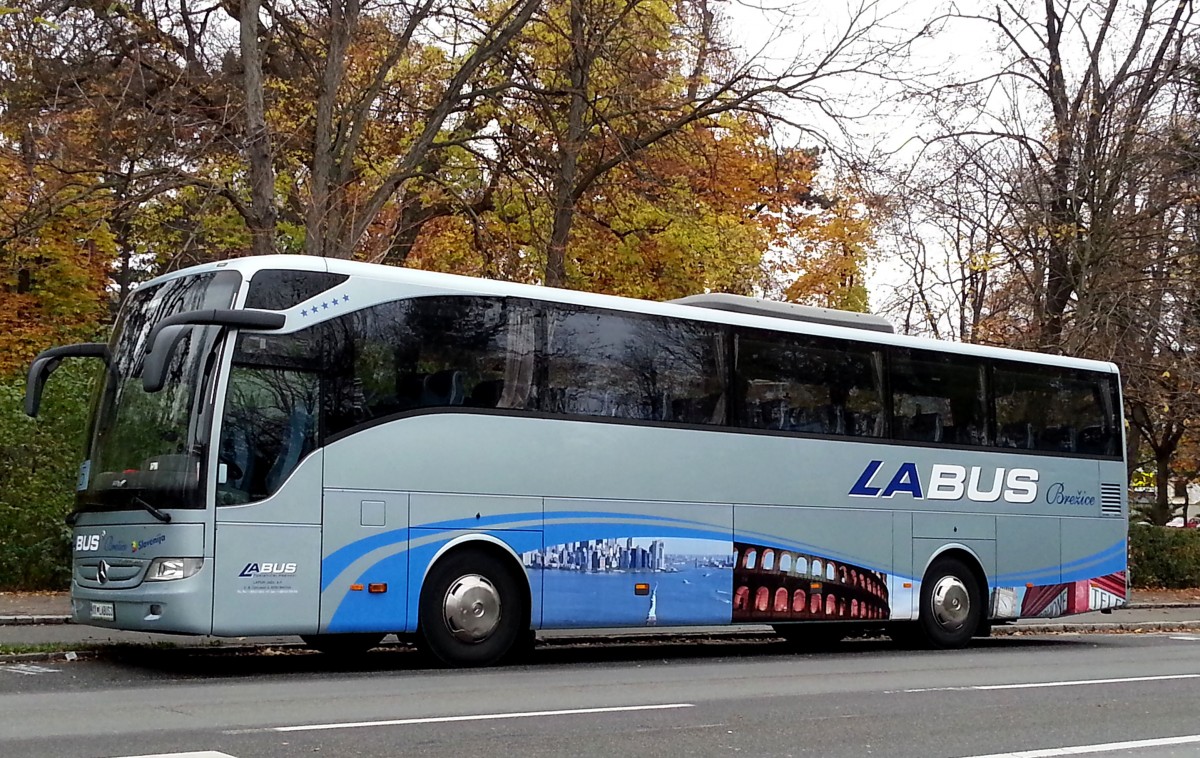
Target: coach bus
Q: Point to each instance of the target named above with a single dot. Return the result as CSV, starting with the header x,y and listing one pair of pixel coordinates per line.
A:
x,y
338,450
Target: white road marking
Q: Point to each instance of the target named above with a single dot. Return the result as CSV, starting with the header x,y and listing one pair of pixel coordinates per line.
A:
x,y
1036,685
28,669
1186,639
200,754
1107,747
482,717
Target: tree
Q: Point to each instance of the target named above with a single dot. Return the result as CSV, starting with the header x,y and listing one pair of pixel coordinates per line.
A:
x,y
1067,225
602,81
344,128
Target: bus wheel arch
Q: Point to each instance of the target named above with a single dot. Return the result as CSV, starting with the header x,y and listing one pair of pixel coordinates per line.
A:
x,y
953,597
475,603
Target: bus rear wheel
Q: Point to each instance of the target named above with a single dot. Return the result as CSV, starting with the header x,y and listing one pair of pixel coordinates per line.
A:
x,y
951,604
342,645
473,610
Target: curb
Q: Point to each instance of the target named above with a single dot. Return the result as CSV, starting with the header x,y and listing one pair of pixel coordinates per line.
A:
x,y
34,620
100,650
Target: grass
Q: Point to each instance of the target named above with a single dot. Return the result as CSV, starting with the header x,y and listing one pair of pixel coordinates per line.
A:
x,y
20,648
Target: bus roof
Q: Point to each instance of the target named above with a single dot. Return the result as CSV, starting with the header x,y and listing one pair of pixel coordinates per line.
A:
x,y
439,283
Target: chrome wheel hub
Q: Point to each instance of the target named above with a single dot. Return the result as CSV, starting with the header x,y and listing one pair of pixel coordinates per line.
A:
x,y
951,603
471,608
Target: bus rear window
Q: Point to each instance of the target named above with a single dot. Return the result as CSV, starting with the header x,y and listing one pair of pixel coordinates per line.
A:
x,y
1054,410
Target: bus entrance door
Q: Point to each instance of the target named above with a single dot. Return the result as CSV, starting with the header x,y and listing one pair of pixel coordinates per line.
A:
x,y
268,560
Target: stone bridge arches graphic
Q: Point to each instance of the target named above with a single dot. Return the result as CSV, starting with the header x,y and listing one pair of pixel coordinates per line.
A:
x,y
773,584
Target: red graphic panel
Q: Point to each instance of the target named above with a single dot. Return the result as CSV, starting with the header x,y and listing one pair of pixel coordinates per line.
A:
x,y
771,584
1074,597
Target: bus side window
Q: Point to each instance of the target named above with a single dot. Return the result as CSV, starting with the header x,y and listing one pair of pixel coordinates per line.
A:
x,y
269,425
429,353
798,383
937,398
631,366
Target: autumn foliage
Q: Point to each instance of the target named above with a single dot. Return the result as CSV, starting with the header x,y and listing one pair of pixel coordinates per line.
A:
x,y
620,146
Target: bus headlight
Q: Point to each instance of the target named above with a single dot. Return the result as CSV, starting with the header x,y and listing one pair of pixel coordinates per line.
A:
x,y
166,569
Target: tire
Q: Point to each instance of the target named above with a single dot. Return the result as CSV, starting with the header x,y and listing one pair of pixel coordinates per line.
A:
x,y
811,636
474,610
951,605
343,645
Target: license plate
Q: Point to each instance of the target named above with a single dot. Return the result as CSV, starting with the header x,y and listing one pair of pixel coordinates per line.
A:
x,y
103,612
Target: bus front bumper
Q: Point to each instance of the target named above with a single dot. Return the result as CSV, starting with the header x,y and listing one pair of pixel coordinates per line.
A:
x,y
183,606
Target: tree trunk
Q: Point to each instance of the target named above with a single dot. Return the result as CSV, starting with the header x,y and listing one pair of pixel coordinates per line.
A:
x,y
568,163
322,233
1162,475
258,139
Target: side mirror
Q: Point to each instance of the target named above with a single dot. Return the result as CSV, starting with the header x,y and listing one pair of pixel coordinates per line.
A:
x,y
166,334
154,368
234,319
48,360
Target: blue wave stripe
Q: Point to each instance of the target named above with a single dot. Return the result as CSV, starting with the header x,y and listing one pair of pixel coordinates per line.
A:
x,y
369,612
1117,548
339,560
1108,561
1111,560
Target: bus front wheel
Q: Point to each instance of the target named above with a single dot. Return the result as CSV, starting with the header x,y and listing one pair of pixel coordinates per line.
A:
x,y
473,610
951,604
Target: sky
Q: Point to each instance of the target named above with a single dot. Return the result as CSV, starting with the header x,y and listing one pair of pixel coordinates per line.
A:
x,y
883,123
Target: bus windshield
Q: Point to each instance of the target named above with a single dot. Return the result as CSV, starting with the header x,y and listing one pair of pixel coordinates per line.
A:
x,y
144,448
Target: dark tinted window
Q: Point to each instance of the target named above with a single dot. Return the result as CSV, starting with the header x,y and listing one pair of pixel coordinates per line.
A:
x,y
429,352
807,384
1054,410
272,411
937,398
144,445
475,352
279,289
629,366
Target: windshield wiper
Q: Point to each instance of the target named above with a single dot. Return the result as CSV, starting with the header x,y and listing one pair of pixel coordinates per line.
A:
x,y
73,516
156,513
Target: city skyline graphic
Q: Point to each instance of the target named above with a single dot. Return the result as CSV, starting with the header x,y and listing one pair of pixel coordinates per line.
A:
x,y
631,554
635,581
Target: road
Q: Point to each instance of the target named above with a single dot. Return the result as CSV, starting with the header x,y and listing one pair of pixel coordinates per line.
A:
x,y
723,698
